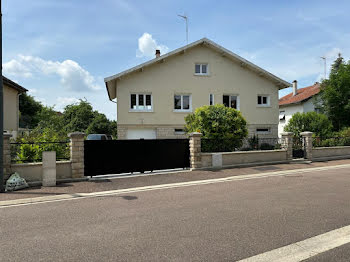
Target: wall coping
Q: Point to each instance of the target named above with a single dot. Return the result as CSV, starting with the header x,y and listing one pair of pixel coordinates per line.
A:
x,y
330,147
245,152
76,134
7,135
39,163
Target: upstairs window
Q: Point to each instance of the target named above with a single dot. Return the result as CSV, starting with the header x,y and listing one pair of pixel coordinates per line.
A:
x,y
140,102
263,100
201,69
282,115
231,101
182,102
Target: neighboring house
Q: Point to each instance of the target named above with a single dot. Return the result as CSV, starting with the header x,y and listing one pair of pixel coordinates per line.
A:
x,y
153,98
11,94
300,100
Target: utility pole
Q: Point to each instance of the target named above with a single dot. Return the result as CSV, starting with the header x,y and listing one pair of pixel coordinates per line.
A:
x,y
2,188
186,20
325,66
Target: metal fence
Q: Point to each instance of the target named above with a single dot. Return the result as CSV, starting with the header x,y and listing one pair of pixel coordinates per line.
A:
x,y
247,144
330,141
32,151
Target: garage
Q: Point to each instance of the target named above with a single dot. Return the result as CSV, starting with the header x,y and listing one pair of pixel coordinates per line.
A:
x,y
141,133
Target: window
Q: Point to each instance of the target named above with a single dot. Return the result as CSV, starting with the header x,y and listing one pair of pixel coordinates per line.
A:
x,y
282,116
182,102
141,102
263,100
231,101
179,131
201,69
211,99
263,130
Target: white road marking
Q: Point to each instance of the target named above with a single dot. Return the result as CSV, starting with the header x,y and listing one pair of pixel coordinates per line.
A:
x,y
76,196
305,249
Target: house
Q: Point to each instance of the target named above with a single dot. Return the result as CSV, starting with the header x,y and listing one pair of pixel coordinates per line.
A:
x,y
153,98
300,100
11,92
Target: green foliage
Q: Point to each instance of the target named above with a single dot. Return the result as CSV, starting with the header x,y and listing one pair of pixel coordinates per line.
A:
x,y
319,124
33,145
77,117
29,111
254,142
224,126
335,94
101,125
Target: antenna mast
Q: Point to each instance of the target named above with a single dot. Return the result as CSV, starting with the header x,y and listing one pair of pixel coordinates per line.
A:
x,y
186,20
325,66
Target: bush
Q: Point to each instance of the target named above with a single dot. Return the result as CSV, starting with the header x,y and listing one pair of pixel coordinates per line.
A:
x,y
31,147
319,124
267,146
224,127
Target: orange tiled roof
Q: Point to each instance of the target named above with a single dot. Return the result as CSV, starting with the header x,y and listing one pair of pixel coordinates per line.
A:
x,y
302,94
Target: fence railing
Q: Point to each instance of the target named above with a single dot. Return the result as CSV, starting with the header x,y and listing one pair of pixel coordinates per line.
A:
x,y
32,151
331,141
247,144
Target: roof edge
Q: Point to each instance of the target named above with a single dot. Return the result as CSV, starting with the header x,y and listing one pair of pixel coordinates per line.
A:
x,y
14,85
284,83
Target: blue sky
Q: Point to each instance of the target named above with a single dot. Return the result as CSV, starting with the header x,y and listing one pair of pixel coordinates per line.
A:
x,y
62,50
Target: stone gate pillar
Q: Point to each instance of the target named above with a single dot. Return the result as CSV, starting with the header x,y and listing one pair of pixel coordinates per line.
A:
x,y
287,143
77,154
7,156
195,150
307,144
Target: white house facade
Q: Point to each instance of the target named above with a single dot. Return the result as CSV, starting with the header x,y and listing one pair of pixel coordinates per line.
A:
x,y
300,100
154,98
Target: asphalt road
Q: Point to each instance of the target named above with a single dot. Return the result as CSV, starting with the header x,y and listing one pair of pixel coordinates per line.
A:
x,y
225,221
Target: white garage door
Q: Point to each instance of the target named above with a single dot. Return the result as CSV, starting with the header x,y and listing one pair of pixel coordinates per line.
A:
x,y
141,133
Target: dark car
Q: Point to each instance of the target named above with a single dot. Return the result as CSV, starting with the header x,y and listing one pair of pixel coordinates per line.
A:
x,y
97,137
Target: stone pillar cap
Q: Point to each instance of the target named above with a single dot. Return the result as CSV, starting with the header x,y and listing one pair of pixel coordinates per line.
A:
x,y
195,134
76,134
306,133
7,135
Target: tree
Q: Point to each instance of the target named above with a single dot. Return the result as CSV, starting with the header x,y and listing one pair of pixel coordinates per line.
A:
x,y
77,117
29,111
319,124
225,126
101,125
335,94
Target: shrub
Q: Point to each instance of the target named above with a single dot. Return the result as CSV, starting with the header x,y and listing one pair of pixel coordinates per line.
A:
x,y
224,127
266,146
319,124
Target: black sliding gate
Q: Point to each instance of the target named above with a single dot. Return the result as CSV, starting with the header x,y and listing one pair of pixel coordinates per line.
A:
x,y
103,157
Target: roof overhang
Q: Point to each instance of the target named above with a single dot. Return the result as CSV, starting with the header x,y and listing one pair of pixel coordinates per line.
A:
x,y
13,85
280,83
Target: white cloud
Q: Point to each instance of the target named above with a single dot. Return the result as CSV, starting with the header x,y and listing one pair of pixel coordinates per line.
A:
x,y
148,46
72,75
32,91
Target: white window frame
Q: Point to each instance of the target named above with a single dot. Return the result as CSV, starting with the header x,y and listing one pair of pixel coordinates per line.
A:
x,y
263,132
238,100
200,73
267,99
211,96
138,109
182,110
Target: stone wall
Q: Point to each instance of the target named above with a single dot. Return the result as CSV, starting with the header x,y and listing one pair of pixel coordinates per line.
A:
x,y
324,153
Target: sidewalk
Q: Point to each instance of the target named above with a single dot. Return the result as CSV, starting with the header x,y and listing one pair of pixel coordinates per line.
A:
x,y
106,184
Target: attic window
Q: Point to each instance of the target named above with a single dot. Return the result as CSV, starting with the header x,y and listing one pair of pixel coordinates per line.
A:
x,y
201,69
282,116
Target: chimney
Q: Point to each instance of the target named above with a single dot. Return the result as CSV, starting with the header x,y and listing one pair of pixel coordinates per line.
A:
x,y
295,87
157,53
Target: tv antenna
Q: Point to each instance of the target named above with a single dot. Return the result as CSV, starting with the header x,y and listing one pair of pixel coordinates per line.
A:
x,y
186,20
325,66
